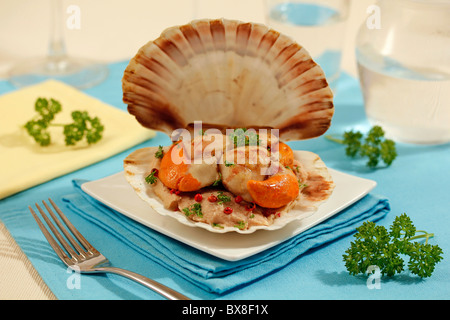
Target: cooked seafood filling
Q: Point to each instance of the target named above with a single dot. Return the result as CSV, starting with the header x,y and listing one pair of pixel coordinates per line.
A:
x,y
237,187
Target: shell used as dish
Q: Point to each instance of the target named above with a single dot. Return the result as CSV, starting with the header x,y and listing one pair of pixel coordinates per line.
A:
x,y
250,88
228,74
317,187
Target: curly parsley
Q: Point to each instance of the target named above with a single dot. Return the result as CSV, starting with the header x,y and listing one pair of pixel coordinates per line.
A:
x,y
374,147
82,127
375,245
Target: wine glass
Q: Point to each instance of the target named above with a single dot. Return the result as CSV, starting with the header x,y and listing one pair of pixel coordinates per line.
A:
x,y
77,72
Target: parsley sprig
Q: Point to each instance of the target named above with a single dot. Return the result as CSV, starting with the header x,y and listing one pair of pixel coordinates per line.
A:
x,y
375,245
218,181
82,127
151,178
374,146
160,153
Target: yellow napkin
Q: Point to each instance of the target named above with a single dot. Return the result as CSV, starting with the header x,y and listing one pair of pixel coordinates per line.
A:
x,y
24,163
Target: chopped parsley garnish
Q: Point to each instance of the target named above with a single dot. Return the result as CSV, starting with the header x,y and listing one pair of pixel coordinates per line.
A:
x,y
151,178
240,225
195,209
243,137
217,225
218,181
222,198
229,164
160,153
301,184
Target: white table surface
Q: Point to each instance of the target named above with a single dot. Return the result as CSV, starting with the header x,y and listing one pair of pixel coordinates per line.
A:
x,y
110,30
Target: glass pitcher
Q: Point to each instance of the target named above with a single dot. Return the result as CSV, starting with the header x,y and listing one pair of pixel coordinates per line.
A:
x,y
403,55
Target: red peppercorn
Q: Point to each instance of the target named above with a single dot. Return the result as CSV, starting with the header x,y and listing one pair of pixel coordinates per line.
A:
x,y
227,210
178,192
238,199
212,198
250,207
198,197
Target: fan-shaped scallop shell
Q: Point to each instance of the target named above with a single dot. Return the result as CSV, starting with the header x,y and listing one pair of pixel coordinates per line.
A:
x,y
228,74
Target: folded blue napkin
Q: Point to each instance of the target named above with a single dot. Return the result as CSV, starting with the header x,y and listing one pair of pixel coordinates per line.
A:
x,y
208,272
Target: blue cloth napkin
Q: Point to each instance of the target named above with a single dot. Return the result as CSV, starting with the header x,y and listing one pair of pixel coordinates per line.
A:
x,y
208,272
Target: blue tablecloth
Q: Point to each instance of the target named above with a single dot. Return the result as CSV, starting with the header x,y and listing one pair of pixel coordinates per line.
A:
x,y
417,183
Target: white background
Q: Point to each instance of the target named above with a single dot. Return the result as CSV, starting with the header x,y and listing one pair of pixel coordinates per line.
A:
x,y
113,30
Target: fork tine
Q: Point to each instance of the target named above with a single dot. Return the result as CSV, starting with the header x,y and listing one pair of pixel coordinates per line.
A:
x,y
64,230
74,230
53,243
57,234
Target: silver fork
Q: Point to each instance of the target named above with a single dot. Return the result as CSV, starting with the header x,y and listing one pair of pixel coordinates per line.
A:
x,y
82,257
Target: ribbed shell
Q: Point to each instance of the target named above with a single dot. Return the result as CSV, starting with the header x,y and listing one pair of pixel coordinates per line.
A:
x,y
228,74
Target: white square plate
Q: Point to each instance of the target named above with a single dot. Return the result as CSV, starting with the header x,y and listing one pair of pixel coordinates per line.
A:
x,y
115,192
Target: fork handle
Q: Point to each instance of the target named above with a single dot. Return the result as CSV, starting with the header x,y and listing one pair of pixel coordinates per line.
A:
x,y
149,283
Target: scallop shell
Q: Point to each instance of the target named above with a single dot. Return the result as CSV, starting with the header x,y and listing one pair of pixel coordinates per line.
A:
x,y
136,168
228,74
